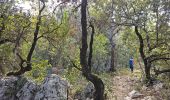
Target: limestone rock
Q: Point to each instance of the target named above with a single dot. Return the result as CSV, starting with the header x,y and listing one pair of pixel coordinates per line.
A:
x,y
86,94
8,88
135,94
27,92
53,88
158,86
19,88
88,91
144,88
127,98
77,95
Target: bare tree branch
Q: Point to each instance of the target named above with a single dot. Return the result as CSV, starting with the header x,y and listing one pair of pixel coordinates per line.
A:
x,y
74,65
157,71
3,41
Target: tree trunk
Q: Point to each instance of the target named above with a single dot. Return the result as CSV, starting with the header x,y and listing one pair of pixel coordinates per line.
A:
x,y
97,82
157,72
112,65
91,46
147,73
140,66
141,50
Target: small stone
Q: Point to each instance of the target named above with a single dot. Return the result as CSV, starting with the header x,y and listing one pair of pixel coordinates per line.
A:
x,y
144,88
135,94
127,98
158,86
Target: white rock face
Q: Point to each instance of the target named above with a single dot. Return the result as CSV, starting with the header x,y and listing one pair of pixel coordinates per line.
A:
x,y
86,93
7,88
53,88
27,92
158,86
135,94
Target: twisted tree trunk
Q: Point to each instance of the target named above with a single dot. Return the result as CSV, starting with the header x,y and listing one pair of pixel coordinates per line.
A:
x,y
141,50
86,70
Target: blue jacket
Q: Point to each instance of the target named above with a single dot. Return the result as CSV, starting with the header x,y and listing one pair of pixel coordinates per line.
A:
x,y
131,62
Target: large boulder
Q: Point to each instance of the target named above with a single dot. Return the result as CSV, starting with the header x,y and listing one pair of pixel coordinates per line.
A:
x,y
19,88
89,91
86,94
53,88
8,88
16,88
27,92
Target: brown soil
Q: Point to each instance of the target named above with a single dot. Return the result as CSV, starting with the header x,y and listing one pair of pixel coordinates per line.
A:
x,y
123,85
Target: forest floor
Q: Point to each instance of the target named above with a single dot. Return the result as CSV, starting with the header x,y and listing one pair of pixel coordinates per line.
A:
x,y
126,82
120,84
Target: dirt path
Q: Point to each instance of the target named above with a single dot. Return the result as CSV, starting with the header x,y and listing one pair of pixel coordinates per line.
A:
x,y
123,85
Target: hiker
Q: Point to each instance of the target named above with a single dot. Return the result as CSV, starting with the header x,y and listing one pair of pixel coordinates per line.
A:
x,y
131,62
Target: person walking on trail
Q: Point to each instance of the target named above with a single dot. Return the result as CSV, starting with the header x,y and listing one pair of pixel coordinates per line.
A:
x,y
131,62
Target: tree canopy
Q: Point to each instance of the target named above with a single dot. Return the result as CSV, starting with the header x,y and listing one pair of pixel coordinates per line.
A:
x,y
88,37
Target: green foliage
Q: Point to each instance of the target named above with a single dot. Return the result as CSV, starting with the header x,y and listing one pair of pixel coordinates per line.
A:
x,y
60,41
7,62
75,78
39,70
99,46
107,80
72,75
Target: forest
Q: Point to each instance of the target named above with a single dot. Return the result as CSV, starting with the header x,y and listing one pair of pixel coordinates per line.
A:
x,y
84,49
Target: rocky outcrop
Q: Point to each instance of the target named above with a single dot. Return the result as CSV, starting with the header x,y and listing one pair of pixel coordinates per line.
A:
x,y
8,88
19,88
27,92
53,88
86,94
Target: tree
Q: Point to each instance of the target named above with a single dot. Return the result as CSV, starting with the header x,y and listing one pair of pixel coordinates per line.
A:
x,y
28,67
101,12
86,70
148,18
